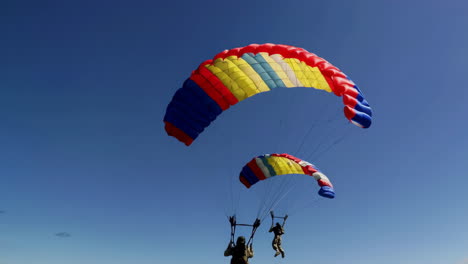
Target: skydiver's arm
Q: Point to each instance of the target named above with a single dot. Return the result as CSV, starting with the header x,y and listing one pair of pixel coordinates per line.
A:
x,y
228,251
284,220
250,252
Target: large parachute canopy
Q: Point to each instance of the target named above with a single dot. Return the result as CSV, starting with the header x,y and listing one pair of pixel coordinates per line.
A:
x,y
237,74
270,165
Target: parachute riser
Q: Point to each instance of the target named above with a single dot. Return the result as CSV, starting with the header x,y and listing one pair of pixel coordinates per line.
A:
x,y
280,217
255,225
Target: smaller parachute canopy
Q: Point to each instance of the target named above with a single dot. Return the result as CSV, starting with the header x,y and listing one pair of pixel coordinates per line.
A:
x,y
266,166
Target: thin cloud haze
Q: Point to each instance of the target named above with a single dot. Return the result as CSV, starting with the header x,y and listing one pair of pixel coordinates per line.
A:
x,y
63,234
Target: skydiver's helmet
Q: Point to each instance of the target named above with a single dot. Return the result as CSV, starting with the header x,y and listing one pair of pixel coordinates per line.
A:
x,y
240,241
278,224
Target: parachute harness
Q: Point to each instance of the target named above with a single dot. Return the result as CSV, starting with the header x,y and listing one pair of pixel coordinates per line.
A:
x,y
255,225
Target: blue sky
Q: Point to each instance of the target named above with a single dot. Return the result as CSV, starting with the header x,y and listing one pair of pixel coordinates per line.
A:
x,y
83,90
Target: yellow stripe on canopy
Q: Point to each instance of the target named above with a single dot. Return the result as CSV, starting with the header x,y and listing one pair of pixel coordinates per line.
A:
x,y
250,79
228,82
316,78
308,76
233,78
284,166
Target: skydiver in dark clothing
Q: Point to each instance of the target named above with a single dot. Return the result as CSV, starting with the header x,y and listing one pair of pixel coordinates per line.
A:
x,y
239,251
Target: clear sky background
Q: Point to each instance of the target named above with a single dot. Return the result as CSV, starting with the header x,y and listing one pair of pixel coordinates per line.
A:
x,y
83,90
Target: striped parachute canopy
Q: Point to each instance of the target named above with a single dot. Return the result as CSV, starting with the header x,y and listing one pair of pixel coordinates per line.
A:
x,y
269,165
237,74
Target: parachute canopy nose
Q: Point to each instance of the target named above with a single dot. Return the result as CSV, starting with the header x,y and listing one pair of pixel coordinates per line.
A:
x,y
327,191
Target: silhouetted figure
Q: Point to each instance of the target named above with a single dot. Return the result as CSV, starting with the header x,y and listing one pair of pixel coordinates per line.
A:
x,y
239,251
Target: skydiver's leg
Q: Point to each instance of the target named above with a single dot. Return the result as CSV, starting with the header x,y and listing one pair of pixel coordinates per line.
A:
x,y
274,244
280,249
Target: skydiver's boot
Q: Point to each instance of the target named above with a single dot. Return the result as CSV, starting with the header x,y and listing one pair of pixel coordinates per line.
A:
x,y
277,253
281,250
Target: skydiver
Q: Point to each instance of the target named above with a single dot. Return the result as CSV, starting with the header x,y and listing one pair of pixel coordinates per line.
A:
x,y
239,251
278,230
